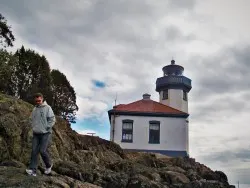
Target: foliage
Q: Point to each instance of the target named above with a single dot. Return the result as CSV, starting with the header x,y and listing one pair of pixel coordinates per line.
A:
x,y
31,74
64,96
7,61
6,36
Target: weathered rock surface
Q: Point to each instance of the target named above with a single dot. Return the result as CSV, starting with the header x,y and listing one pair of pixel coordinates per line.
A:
x,y
86,161
15,177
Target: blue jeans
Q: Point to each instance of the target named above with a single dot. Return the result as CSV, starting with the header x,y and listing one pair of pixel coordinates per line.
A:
x,y
40,144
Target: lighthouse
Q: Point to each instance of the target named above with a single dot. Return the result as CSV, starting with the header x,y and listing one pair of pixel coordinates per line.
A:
x,y
173,87
156,126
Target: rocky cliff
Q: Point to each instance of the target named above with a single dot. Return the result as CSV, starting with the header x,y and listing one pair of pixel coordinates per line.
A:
x,y
86,161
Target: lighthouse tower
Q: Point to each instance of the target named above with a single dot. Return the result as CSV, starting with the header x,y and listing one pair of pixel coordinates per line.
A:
x,y
173,87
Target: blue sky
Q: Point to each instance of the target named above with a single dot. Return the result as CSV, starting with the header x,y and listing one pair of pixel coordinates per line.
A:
x,y
93,125
114,47
98,83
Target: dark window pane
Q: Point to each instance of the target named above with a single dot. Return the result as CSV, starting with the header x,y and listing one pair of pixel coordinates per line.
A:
x,y
184,95
165,94
154,133
127,131
127,125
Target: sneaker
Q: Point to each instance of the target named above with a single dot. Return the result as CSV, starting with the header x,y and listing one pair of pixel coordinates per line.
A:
x,y
48,170
30,172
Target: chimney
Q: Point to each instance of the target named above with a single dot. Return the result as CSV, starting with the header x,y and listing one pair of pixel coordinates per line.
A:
x,y
146,96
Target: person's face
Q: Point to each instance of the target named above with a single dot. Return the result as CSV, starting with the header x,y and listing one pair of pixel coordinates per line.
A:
x,y
38,100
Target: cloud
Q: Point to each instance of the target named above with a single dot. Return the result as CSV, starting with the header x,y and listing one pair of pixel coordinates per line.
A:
x,y
90,108
88,132
229,156
94,132
231,67
234,162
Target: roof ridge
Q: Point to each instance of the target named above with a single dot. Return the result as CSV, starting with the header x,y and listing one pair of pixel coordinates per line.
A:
x,y
167,106
153,105
134,102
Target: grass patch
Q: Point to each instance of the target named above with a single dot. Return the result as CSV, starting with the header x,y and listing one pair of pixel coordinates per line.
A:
x,y
18,102
3,98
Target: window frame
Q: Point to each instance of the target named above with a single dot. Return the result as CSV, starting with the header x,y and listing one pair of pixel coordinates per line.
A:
x,y
185,95
165,94
127,131
150,141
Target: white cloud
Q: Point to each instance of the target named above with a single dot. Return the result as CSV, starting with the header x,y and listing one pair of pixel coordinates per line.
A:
x,y
87,132
90,131
90,108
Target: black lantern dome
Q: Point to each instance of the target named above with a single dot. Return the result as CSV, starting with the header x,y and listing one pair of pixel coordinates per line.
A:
x,y
173,78
173,69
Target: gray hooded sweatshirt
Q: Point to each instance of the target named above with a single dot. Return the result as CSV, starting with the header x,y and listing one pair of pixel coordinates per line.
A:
x,y
42,118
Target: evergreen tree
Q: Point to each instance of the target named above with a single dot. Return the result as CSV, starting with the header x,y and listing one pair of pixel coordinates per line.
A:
x,y
64,97
6,36
7,62
31,74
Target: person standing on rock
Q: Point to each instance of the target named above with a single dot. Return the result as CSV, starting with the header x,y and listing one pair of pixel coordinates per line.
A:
x,y
42,120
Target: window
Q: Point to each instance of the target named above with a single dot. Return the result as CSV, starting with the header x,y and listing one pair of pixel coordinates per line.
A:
x,y
165,94
154,132
127,130
184,95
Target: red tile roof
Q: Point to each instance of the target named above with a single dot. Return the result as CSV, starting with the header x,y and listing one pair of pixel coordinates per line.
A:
x,y
148,106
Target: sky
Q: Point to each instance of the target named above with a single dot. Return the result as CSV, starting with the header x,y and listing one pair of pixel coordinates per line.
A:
x,y
118,47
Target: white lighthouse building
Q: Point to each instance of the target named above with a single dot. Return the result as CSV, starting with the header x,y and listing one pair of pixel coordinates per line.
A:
x,y
151,126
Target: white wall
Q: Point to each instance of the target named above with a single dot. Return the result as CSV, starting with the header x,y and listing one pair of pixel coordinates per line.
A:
x,y
175,100
187,136
173,133
111,128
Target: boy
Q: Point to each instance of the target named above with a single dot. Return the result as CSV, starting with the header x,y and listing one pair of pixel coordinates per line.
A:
x,y
42,121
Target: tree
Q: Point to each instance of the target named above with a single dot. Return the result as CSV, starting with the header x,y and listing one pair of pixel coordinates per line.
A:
x,y
26,72
31,74
5,57
7,61
6,36
64,97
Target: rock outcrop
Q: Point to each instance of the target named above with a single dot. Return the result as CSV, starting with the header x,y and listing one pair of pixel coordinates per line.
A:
x,y
88,161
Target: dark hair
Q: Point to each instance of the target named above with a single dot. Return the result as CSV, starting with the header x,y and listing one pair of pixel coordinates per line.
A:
x,y
38,95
